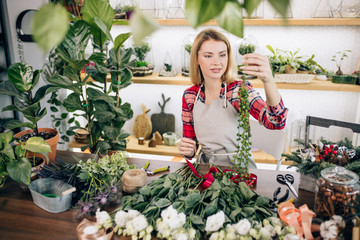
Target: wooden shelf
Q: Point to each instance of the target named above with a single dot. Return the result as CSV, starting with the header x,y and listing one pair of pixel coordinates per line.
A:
x,y
313,85
316,85
272,22
134,147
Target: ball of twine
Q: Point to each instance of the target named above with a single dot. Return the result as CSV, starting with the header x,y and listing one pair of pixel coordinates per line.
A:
x,y
132,180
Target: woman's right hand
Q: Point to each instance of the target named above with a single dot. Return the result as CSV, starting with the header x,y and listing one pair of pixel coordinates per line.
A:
x,y
187,147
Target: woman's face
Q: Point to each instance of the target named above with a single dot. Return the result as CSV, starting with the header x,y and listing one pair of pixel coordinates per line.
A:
x,y
213,59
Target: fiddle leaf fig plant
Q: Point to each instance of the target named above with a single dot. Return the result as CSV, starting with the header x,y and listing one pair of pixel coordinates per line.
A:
x,y
96,102
13,159
21,83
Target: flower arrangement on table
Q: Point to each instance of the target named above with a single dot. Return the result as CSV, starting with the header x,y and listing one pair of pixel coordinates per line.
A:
x,y
324,154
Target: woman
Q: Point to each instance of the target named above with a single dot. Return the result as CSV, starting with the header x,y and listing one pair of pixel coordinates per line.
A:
x,y
210,107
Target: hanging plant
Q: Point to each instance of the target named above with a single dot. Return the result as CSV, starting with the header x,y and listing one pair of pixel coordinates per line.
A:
x,y
243,147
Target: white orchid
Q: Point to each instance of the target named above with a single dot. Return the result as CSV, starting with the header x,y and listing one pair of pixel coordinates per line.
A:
x,y
339,221
215,222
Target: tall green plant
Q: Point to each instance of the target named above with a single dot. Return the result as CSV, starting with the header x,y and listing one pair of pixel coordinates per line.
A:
x,y
21,83
97,101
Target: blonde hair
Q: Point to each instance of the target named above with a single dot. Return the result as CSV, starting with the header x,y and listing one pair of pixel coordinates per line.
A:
x,y
195,71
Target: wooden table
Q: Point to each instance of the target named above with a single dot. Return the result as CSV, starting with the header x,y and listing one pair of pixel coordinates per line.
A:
x,y
21,219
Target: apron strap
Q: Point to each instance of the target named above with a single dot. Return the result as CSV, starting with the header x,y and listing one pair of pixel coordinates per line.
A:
x,y
197,95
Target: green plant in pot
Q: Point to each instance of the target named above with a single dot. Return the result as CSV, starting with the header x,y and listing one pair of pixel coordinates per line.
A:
x,y
14,160
339,76
96,102
142,68
277,60
21,84
292,61
245,48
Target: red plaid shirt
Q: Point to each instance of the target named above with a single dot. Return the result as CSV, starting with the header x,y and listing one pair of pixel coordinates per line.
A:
x,y
272,117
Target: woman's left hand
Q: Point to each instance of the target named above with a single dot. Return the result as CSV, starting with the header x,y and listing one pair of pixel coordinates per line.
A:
x,y
259,66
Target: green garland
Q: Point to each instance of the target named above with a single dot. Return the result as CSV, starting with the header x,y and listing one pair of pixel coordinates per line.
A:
x,y
243,147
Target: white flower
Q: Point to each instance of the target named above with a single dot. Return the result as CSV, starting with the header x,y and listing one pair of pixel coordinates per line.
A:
x,y
169,214
177,221
254,233
181,236
121,218
328,229
339,221
215,222
271,230
214,236
275,221
265,234
139,223
243,226
101,217
132,214
291,236
192,233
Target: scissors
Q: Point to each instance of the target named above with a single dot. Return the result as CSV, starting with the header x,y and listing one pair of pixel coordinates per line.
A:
x,y
149,172
288,180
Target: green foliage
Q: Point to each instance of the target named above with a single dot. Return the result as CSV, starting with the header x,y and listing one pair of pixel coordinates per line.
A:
x,y
141,51
188,48
338,58
305,164
168,67
98,101
22,81
243,147
13,160
246,48
180,189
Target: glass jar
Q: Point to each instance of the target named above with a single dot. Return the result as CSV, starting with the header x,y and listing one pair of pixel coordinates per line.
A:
x,y
336,192
186,51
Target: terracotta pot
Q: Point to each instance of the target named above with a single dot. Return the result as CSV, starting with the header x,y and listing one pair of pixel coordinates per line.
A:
x,y
52,141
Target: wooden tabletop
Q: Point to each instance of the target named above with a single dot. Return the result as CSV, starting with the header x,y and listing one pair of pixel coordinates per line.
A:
x,y
21,219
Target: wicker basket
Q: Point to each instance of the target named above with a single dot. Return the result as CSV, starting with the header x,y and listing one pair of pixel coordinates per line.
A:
x,y
294,78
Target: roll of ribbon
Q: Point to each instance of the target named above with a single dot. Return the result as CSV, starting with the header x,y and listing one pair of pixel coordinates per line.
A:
x,y
88,230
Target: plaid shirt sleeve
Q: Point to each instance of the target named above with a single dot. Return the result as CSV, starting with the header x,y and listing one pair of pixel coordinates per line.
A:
x,y
187,112
272,117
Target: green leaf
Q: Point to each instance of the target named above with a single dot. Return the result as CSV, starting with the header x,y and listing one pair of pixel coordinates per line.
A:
x,y
20,170
50,25
98,57
120,39
43,91
262,201
21,75
146,191
95,95
281,6
201,11
9,89
73,103
162,203
197,220
231,19
37,145
64,82
101,25
192,200
235,213
141,26
210,210
98,9
251,5
246,192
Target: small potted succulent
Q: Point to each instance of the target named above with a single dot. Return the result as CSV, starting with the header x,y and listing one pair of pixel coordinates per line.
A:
x,y
21,83
15,161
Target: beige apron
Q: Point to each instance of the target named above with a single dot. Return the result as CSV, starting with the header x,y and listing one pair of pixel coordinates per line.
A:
x,y
215,127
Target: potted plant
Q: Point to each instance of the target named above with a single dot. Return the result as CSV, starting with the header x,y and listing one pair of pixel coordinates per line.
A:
x,y
15,161
292,62
98,101
277,61
339,76
245,48
21,83
128,10
142,68
185,70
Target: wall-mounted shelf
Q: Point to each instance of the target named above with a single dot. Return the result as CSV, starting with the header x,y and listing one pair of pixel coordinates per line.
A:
x,y
313,85
271,22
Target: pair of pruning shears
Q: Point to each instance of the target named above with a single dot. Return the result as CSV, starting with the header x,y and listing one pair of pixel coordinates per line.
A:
x,y
287,180
145,168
